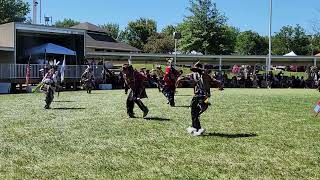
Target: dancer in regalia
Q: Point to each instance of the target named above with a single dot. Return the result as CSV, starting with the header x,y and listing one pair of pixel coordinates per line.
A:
x,y
170,78
200,101
50,80
87,80
135,81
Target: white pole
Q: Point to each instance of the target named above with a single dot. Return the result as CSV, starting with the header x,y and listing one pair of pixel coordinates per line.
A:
x,y
40,11
34,18
175,52
270,29
266,69
220,64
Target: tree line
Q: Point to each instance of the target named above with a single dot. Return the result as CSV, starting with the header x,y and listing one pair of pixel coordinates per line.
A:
x,y
204,30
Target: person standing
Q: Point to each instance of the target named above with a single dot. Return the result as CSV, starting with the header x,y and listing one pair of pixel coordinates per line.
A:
x,y
170,78
135,81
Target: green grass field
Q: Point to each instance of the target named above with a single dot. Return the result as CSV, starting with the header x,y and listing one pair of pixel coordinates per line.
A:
x,y
251,134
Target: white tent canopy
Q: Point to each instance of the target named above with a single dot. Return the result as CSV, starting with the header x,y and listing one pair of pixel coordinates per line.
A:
x,y
290,54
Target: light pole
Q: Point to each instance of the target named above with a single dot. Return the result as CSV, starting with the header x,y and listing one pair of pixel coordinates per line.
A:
x,y
176,36
34,18
268,61
312,45
270,29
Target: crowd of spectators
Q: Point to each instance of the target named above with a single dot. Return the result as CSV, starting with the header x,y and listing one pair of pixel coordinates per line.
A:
x,y
249,77
239,77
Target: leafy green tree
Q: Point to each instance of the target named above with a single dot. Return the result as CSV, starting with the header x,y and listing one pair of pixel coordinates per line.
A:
x,y
291,39
159,43
251,43
66,23
13,11
137,32
168,30
205,30
228,37
314,44
112,28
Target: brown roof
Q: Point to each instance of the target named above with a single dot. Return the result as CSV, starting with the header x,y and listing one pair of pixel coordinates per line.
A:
x,y
317,55
93,43
89,27
117,46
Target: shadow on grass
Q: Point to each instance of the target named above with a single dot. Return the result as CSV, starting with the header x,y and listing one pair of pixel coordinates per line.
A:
x,y
181,106
240,135
62,101
65,108
156,119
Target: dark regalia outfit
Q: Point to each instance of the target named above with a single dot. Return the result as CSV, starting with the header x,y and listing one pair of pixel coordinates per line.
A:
x,y
49,80
135,81
200,101
158,77
170,78
87,78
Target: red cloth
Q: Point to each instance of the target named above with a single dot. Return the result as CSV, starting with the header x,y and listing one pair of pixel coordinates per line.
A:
x,y
135,81
170,77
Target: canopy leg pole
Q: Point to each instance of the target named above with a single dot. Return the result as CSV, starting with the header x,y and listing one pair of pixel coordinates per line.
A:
x,y
315,61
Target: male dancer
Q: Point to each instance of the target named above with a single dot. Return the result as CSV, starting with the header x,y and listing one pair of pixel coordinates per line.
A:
x,y
135,81
170,78
50,80
200,100
87,78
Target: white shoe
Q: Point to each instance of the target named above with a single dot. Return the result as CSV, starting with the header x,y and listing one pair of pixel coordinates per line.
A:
x,y
202,131
199,132
191,130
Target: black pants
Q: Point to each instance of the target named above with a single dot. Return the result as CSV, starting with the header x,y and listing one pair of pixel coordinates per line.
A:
x,y
49,97
131,100
160,85
169,94
88,86
198,106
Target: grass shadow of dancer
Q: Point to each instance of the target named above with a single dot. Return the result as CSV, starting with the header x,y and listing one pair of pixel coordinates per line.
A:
x,y
156,119
63,101
181,106
65,108
183,95
238,135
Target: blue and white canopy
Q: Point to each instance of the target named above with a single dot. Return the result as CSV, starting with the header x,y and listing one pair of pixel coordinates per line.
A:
x,y
50,48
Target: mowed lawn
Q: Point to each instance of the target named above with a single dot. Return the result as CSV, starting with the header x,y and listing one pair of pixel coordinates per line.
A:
x,y
251,134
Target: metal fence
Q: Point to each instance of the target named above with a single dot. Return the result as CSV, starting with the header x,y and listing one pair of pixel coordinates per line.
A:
x,y
18,71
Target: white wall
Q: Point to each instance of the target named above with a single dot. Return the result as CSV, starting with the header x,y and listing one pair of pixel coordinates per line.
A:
x,y
7,35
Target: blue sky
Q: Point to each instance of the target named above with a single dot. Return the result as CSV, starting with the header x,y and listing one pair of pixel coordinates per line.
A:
x,y
244,14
